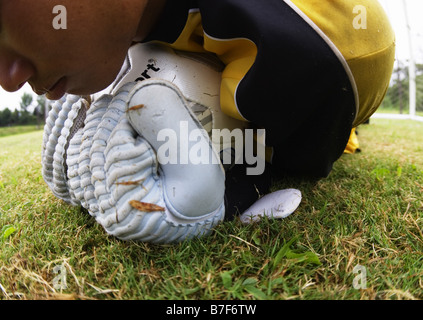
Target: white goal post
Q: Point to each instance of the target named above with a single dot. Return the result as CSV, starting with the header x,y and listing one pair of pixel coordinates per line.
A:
x,y
412,74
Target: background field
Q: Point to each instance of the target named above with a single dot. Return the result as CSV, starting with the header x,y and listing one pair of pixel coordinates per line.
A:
x,y
368,213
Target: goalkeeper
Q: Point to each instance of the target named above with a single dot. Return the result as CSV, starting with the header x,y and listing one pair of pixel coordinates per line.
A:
x,y
305,71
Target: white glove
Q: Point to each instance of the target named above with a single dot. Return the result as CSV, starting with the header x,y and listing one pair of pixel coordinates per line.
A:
x,y
108,158
104,157
113,171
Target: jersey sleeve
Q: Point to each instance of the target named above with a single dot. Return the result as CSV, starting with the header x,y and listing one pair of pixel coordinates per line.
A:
x,y
293,67
282,53
276,62
274,59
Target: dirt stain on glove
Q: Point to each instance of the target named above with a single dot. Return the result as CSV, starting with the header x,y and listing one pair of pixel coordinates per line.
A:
x,y
140,106
146,207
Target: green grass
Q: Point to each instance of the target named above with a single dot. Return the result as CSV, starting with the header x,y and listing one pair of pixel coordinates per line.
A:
x,y
368,212
406,111
9,131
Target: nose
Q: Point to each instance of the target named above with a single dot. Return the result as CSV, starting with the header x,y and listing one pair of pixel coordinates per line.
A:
x,y
14,72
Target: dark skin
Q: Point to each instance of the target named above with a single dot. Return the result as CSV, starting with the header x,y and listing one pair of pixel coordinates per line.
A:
x,y
82,59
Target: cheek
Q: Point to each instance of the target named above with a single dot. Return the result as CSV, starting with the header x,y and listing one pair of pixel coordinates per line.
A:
x,y
90,51
27,26
96,72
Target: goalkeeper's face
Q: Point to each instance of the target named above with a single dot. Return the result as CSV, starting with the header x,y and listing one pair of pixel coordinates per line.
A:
x,y
67,46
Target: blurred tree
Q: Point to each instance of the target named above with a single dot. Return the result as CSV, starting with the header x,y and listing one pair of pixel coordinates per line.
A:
x,y
40,110
25,116
397,97
26,101
5,117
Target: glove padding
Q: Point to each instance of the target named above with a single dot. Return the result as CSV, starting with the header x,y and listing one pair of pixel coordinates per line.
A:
x,y
109,168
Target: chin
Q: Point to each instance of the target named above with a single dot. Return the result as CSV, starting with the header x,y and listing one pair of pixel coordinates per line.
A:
x,y
84,91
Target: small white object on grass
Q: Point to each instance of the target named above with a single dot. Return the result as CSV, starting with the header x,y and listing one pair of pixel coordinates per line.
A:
x,y
277,205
